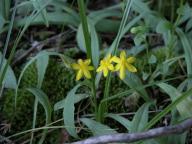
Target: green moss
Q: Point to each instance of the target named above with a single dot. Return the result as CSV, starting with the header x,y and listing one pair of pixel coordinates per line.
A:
x,y
58,81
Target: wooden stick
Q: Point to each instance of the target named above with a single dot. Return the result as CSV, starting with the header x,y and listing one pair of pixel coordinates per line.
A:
x,y
133,137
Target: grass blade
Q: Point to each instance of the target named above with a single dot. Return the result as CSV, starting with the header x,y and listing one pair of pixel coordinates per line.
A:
x,y
97,128
42,98
168,108
69,112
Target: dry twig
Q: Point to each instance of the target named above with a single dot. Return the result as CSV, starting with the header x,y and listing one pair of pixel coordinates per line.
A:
x,y
37,46
133,137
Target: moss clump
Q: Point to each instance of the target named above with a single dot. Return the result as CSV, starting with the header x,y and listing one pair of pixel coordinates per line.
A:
x,y
57,82
21,117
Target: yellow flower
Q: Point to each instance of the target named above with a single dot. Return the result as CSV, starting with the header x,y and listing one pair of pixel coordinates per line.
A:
x,y
105,65
83,68
124,63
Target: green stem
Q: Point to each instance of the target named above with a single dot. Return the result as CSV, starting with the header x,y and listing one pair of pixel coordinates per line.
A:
x,y
179,16
34,119
147,51
87,39
103,108
172,10
94,97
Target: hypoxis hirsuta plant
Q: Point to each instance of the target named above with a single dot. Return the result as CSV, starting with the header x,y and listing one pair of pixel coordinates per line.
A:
x,y
109,64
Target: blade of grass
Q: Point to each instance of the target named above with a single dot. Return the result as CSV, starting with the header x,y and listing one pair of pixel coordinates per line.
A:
x,y
187,53
34,119
168,109
85,27
42,98
88,45
5,8
37,5
103,108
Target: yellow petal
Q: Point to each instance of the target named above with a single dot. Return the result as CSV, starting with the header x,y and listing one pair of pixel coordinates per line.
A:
x,y
122,72
110,67
105,72
80,61
117,67
131,59
87,61
79,75
123,54
99,69
75,66
115,59
131,68
87,74
90,68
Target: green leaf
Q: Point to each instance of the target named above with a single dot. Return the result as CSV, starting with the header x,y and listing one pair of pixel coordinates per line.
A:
x,y
140,6
133,82
97,128
5,8
185,12
163,26
94,41
42,63
152,59
54,18
2,21
187,50
124,31
78,98
37,5
187,53
44,101
168,108
140,118
69,112
99,15
139,38
189,25
123,121
184,107
145,76
9,79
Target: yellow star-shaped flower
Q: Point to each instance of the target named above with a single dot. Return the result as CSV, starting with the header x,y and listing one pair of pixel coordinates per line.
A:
x,y
83,68
105,65
124,63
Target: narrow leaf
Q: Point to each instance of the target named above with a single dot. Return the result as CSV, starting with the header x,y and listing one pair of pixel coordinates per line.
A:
x,y
9,79
42,63
44,101
184,107
97,128
123,121
69,112
78,98
140,118
133,81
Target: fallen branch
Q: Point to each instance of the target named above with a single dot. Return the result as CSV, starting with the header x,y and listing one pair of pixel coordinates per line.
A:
x,y
133,137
